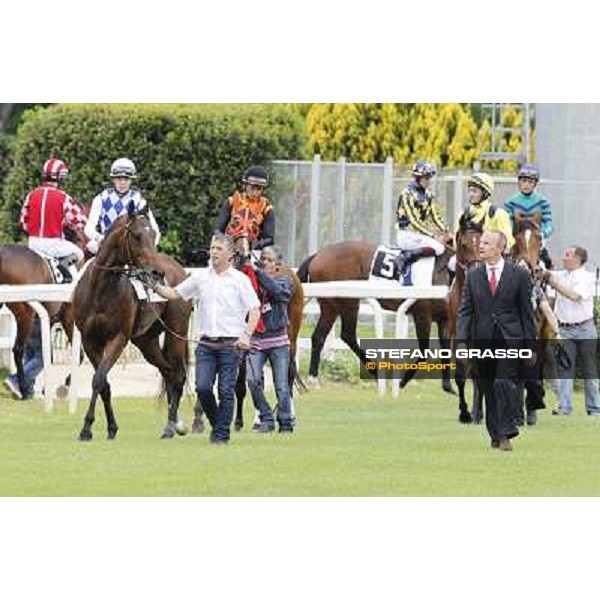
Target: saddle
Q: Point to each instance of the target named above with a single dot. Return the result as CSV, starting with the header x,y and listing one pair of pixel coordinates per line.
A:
x,y
63,270
385,265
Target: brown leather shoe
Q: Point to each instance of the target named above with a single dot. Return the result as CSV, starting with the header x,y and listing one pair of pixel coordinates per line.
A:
x,y
495,444
505,445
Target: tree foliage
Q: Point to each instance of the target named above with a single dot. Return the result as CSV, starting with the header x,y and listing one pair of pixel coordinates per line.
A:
x,y
189,157
447,134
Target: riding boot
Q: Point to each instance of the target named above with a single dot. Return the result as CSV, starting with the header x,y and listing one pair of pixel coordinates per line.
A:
x,y
408,257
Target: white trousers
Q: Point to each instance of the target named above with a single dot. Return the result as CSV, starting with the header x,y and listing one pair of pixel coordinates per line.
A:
x,y
409,240
55,247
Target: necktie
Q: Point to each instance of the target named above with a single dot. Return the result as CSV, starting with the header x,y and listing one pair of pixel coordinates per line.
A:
x,y
493,281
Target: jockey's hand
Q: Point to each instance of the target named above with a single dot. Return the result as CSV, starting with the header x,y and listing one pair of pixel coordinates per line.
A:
x,y
255,258
92,246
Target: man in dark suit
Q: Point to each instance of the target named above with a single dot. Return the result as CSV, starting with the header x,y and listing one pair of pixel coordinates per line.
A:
x,y
496,311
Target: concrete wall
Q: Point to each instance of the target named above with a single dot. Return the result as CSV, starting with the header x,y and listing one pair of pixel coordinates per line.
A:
x,y
568,149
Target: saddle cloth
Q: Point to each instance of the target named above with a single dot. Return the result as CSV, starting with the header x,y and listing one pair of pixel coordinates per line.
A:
x,y
143,294
385,266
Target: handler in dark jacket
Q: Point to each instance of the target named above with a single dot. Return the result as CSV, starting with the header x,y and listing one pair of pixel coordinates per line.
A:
x,y
270,342
496,310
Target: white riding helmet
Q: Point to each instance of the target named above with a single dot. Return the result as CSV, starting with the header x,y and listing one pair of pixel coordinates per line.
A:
x,y
123,167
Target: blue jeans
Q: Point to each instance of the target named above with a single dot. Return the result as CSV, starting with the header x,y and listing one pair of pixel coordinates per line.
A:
x,y
580,342
279,359
33,362
211,362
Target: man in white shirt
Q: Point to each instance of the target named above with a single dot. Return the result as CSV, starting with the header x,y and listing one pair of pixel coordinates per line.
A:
x,y
575,314
224,297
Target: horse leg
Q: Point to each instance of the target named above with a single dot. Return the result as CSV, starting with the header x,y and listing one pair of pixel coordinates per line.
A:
x,y
477,403
66,318
349,316
24,317
326,320
423,331
460,377
445,344
240,394
173,381
111,352
85,435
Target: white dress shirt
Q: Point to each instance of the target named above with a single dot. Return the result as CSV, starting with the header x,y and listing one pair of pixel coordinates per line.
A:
x,y
575,311
221,301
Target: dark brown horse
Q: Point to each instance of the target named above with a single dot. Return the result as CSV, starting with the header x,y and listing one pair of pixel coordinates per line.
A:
x,y
109,315
295,313
467,258
526,252
21,266
352,260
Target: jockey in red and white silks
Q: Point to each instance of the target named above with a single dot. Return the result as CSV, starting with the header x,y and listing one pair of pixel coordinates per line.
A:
x,y
47,209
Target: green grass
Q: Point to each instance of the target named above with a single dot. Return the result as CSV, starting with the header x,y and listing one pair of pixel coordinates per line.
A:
x,y
348,443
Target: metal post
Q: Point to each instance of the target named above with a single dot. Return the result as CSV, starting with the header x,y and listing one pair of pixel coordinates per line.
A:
x,y
292,236
458,200
313,234
340,202
386,217
401,334
46,356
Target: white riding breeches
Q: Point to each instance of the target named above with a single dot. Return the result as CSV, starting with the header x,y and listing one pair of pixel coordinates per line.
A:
x,y
410,240
55,247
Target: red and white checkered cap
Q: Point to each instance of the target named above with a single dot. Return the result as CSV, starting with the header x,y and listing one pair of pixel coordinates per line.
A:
x,y
55,170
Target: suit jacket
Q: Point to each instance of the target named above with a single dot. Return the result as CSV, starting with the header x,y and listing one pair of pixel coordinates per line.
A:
x,y
507,314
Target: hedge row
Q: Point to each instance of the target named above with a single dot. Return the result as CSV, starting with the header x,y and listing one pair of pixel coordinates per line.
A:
x,y
189,157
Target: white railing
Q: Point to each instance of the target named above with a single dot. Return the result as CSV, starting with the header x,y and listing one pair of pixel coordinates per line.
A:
x,y
36,294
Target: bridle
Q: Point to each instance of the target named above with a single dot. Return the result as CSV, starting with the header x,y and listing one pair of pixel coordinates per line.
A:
x,y
125,250
470,264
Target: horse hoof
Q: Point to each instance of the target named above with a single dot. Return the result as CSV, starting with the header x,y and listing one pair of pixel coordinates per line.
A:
x,y
313,382
198,426
85,436
112,434
181,429
448,389
167,434
238,426
465,418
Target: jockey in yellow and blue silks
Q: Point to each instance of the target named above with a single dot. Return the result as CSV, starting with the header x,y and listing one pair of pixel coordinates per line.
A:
x,y
419,219
482,211
530,202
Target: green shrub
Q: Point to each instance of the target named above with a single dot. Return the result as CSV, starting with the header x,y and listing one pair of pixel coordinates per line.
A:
x,y
189,157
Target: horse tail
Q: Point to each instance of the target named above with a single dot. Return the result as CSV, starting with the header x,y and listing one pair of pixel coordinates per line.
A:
x,y
295,377
303,269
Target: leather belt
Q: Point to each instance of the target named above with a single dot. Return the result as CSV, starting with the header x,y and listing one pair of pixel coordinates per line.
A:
x,y
561,324
217,340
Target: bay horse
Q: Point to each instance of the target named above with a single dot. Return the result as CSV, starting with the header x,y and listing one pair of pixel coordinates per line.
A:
x,y
109,315
352,260
526,253
19,265
467,258
295,314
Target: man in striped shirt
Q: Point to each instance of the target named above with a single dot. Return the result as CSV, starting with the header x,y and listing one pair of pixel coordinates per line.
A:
x,y
270,342
530,202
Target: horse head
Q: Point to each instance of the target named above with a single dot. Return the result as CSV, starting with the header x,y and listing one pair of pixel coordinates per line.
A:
x,y
467,243
528,239
241,253
129,242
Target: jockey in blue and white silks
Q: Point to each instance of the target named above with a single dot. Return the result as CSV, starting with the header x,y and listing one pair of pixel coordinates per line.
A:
x,y
114,202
